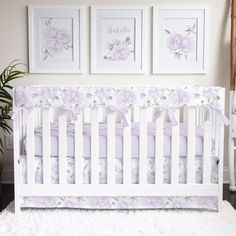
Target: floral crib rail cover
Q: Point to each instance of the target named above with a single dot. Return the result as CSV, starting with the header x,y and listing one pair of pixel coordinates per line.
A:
x,y
74,98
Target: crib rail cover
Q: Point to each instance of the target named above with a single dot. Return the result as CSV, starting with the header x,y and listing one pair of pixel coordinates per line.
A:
x,y
119,98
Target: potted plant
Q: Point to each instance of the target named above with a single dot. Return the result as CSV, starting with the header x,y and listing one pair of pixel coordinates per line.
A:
x,y
10,73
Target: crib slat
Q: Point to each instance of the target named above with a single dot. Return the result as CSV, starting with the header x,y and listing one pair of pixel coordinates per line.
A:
x,y
46,146
94,147
207,151
136,113
38,118
175,151
143,146
86,114
159,150
30,147
191,145
217,136
213,124
51,114
127,151
62,149
111,148
79,149
197,116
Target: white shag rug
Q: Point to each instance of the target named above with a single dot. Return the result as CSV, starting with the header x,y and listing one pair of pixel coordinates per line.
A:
x,y
63,222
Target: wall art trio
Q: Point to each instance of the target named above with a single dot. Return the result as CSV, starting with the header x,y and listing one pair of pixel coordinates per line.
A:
x,y
119,41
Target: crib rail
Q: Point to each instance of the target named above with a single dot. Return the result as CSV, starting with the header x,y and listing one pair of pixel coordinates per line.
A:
x,y
193,116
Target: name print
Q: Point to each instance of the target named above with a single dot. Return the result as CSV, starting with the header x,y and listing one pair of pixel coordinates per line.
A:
x,y
117,30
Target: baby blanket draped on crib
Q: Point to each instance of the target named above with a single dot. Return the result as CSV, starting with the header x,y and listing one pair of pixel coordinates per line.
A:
x,y
118,147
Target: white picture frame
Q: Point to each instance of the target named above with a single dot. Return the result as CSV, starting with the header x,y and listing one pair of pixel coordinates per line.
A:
x,y
180,39
118,38
56,37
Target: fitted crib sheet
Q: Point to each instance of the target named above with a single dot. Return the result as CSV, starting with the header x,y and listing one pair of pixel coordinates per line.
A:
x,y
119,140
118,170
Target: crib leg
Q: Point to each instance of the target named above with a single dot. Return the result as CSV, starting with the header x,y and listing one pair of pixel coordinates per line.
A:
x,y
17,205
220,204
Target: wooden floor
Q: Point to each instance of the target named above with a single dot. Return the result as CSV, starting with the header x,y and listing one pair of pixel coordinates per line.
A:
x,y
8,195
229,196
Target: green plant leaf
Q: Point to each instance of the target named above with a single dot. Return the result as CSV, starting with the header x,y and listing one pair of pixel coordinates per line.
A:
x,y
1,143
10,73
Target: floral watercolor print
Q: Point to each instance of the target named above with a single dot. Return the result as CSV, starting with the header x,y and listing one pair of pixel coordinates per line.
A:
x,y
56,39
182,44
118,50
118,40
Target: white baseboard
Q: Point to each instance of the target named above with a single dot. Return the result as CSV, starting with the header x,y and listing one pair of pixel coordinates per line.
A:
x,y
226,175
8,175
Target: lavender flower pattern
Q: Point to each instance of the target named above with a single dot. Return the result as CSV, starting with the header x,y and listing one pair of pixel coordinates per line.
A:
x,y
234,109
102,96
119,202
118,50
73,99
55,40
209,203
181,45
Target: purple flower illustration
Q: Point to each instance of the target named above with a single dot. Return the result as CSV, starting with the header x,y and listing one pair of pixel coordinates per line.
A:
x,y
174,42
46,201
21,96
56,40
120,53
126,97
187,45
234,109
181,45
73,96
175,203
118,50
182,96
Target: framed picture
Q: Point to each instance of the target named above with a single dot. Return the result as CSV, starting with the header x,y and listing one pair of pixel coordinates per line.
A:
x,y
55,38
117,39
179,40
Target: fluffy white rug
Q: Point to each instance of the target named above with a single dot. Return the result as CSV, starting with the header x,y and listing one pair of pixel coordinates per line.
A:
x,y
63,222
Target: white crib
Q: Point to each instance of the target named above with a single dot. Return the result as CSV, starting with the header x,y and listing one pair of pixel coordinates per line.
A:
x,y
33,108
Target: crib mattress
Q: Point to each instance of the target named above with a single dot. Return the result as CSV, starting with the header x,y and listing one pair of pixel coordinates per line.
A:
x,y
119,140
134,202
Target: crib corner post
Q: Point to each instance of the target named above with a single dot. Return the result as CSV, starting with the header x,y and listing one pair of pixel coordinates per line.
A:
x,y
17,148
220,204
17,208
232,185
221,155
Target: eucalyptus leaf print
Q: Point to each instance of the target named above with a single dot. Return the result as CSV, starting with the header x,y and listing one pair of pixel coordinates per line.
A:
x,y
118,50
181,45
55,40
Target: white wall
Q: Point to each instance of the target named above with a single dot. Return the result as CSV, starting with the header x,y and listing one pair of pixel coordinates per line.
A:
x,y
14,45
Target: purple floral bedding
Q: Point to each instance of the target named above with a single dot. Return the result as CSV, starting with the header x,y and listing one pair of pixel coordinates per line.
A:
x,y
209,203
118,202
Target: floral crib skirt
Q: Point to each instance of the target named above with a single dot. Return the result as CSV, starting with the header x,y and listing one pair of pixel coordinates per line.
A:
x,y
135,202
